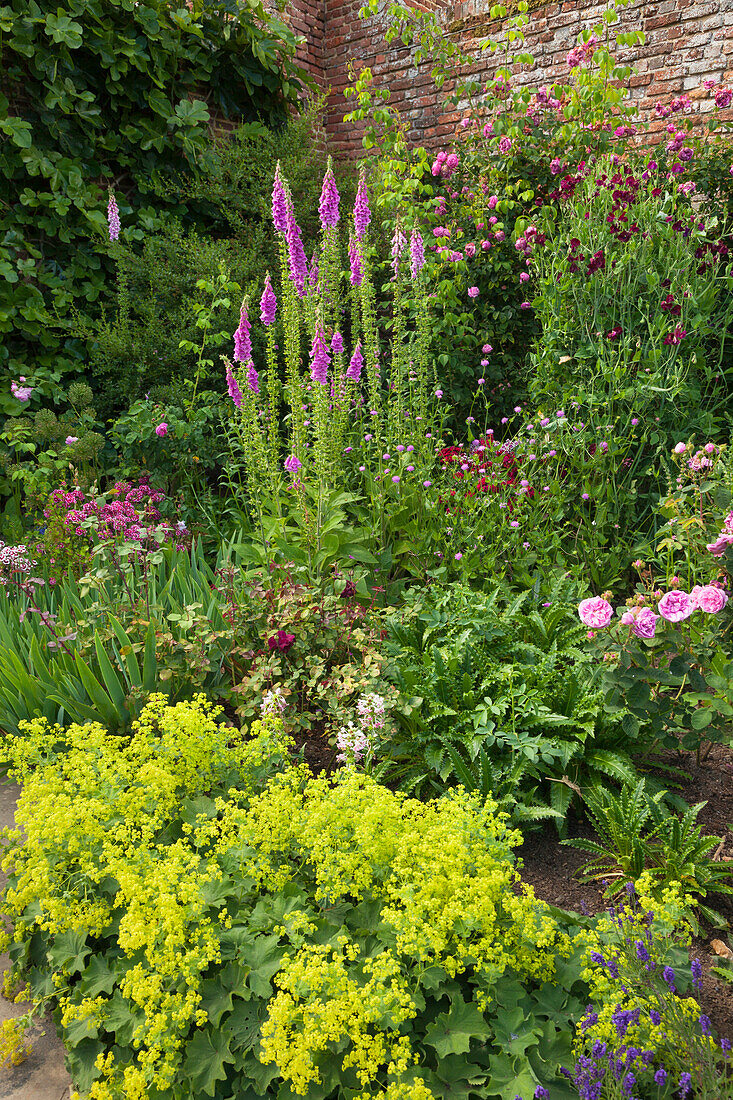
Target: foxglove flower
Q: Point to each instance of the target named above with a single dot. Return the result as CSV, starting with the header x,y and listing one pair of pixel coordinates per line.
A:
x,y
279,203
362,215
268,303
242,341
417,253
113,217
357,272
253,380
353,371
328,207
314,273
292,464
296,254
233,386
320,359
398,245
337,343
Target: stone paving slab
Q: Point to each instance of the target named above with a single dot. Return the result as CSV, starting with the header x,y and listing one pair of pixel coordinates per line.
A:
x,y
43,1075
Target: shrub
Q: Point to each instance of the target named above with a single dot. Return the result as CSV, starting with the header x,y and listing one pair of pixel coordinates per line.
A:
x,y
209,936
109,93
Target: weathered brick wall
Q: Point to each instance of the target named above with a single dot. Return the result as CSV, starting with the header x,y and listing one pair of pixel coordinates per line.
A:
x,y
307,18
688,41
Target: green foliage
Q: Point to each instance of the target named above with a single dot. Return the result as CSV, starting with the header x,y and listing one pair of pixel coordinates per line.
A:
x,y
96,648
638,833
111,92
499,696
211,937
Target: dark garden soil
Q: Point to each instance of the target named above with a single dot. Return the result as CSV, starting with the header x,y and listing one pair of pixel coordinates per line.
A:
x,y
552,869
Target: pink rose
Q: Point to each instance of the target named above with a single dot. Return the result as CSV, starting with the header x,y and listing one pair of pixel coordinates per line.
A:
x,y
680,448
711,599
645,623
162,430
675,606
718,548
595,612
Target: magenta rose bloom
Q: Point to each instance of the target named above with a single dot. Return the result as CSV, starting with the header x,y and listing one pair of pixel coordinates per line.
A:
x,y
711,599
162,429
723,541
676,606
595,612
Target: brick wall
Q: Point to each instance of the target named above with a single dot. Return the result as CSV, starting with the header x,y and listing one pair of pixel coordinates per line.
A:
x,y
687,41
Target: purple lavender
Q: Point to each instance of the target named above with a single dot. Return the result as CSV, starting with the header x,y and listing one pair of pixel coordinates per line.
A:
x,y
353,371
417,253
242,341
296,254
233,386
279,203
357,272
113,217
320,359
328,207
362,216
268,303
252,378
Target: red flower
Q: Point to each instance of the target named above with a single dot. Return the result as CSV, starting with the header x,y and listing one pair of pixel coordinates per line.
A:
x,y
282,641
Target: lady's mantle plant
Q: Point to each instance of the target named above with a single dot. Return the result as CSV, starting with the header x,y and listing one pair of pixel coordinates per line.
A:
x,y
204,931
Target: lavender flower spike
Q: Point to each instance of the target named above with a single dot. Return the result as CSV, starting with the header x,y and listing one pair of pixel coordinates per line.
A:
x,y
320,359
113,217
328,207
353,371
268,303
242,341
362,215
233,386
279,203
417,253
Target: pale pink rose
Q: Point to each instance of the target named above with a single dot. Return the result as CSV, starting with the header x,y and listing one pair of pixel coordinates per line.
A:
x,y
718,548
595,612
711,599
694,596
680,448
675,606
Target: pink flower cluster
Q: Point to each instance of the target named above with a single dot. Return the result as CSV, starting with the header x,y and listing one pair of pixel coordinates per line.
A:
x,y
20,392
582,54
675,606
132,517
14,559
354,741
445,165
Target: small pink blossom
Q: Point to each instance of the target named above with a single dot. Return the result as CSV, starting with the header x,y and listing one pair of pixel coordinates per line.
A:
x,y
162,430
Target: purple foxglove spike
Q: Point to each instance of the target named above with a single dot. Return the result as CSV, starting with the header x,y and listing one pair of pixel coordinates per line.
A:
x,y
253,380
328,207
417,253
296,254
113,217
279,203
353,371
337,343
398,245
268,303
320,359
362,215
233,386
292,464
357,273
314,272
242,341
